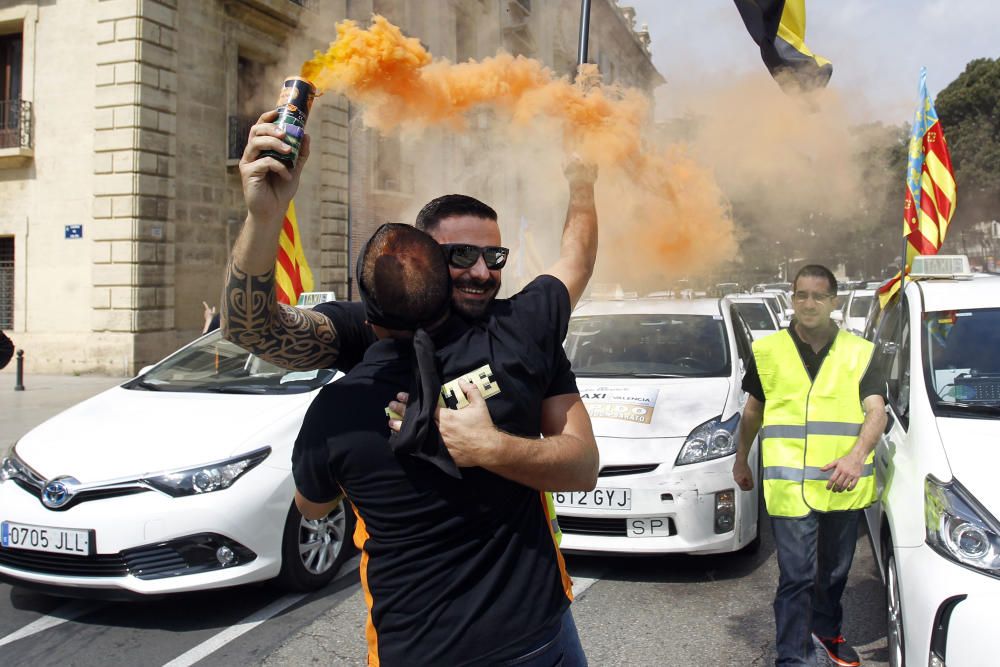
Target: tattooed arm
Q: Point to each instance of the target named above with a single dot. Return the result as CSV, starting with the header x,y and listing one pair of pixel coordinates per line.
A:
x,y
251,316
286,336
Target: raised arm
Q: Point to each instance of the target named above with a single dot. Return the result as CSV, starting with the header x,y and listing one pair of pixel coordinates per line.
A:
x,y
578,249
251,316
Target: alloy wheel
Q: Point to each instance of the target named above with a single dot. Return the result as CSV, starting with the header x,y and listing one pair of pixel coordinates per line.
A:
x,y
321,540
894,614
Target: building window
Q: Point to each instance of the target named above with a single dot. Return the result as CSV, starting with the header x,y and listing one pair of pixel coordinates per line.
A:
x,y
465,37
390,170
15,113
249,75
6,282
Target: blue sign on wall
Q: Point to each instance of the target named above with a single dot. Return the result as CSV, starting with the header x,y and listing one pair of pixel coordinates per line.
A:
x,y
74,231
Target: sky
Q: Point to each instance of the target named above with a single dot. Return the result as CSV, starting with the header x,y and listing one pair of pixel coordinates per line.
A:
x,y
877,48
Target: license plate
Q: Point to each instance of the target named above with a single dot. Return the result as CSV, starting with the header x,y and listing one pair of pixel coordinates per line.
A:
x,y
598,499
651,527
46,538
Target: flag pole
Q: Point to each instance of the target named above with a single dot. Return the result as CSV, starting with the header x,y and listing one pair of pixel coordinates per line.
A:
x,y
584,31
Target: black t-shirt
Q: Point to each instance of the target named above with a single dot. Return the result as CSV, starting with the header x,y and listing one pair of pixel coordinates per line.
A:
x,y
872,382
355,335
458,571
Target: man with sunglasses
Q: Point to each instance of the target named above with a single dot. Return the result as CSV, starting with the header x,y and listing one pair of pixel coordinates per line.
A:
x,y
336,334
821,403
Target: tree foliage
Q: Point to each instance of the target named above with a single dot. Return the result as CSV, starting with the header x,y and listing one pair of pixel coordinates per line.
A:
x,y
969,109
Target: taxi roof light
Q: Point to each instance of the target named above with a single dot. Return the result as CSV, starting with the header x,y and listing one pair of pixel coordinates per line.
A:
x,y
940,266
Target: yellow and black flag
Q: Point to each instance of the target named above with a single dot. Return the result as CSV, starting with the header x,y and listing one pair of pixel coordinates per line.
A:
x,y
779,28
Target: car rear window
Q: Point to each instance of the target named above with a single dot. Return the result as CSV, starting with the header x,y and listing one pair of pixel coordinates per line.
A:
x,y
648,346
756,315
860,306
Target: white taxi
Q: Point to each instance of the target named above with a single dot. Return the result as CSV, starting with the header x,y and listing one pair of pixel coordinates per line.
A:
x,y
178,480
936,532
661,381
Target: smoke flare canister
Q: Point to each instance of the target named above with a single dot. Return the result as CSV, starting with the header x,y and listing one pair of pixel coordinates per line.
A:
x,y
294,102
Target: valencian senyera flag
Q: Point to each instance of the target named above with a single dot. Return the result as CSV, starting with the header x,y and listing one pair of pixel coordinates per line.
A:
x,y
292,276
930,188
779,28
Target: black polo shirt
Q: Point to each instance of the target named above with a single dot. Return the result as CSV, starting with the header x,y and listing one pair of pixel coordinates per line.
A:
x,y
355,335
872,382
458,571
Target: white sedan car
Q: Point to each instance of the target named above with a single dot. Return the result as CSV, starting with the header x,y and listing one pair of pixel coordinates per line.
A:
x,y
936,532
856,310
177,480
661,381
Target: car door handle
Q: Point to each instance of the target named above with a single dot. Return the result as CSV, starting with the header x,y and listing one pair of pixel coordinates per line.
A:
x,y
890,421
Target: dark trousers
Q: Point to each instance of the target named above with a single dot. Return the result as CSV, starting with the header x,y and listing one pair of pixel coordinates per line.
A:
x,y
562,650
814,557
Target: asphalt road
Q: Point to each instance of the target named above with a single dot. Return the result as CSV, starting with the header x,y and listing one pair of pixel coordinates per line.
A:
x,y
671,610
662,611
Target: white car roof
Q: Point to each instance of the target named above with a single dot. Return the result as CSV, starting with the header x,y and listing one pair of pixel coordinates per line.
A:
x,y
979,291
649,307
864,292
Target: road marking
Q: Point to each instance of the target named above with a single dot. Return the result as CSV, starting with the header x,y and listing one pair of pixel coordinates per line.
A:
x,y
214,643
57,617
581,584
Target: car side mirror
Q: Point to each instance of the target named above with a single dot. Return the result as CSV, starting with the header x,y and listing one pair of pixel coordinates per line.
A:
x,y
837,316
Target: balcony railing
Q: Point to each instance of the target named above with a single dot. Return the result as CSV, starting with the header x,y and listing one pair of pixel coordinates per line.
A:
x,y
239,132
15,124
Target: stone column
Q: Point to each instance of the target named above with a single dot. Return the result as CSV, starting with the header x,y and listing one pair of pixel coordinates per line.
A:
x,y
134,168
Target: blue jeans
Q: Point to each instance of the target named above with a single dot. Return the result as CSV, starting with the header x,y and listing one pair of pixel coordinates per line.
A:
x,y
563,650
814,557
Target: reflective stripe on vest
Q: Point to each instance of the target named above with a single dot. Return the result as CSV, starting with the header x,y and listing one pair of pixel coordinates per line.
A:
x,y
550,512
809,423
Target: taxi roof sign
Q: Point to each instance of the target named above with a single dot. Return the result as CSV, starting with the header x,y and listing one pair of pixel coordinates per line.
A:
x,y
940,266
310,299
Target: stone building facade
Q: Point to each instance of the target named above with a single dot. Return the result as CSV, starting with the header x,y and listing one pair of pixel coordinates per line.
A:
x,y
121,123
123,201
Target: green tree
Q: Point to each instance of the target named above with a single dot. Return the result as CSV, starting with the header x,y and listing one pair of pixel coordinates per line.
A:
x,y
969,109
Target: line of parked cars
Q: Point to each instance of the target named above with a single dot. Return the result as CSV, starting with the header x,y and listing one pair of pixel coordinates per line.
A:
x,y
180,479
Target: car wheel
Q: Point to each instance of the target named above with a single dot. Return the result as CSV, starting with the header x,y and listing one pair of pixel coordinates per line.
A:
x,y
894,613
313,550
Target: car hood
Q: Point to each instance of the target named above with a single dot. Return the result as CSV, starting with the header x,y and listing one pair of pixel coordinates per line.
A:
x,y
971,447
125,432
646,408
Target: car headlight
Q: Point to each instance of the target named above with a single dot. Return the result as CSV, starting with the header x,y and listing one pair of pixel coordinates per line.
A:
x,y
207,478
711,440
959,528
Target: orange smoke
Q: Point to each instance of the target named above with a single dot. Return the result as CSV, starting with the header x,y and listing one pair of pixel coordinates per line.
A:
x,y
671,210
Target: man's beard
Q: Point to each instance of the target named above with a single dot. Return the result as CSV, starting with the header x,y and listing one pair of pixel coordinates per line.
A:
x,y
474,309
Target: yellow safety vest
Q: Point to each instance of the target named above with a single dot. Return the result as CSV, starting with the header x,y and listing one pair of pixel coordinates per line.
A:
x,y
809,423
550,514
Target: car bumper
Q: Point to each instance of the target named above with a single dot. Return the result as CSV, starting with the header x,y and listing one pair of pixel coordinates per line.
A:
x,y
683,498
141,540
968,629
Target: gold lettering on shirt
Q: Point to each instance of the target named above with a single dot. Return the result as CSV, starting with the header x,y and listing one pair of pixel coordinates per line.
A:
x,y
452,395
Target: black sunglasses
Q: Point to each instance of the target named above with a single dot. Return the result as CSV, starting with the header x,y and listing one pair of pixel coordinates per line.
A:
x,y
464,255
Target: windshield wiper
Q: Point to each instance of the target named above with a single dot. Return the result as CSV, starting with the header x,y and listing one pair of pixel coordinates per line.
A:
x,y
142,384
658,375
237,389
978,408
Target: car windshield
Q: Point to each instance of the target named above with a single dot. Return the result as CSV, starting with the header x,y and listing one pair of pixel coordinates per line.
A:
x,y
860,305
962,359
214,365
772,303
756,315
648,346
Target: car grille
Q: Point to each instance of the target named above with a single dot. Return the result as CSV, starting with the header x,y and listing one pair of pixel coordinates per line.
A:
x,y
101,565
615,471
82,496
182,556
613,527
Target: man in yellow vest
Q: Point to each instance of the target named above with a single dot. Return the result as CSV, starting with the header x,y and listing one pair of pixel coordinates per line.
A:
x,y
818,403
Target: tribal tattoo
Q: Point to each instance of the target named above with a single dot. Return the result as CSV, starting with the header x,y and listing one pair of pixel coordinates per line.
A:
x,y
286,336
